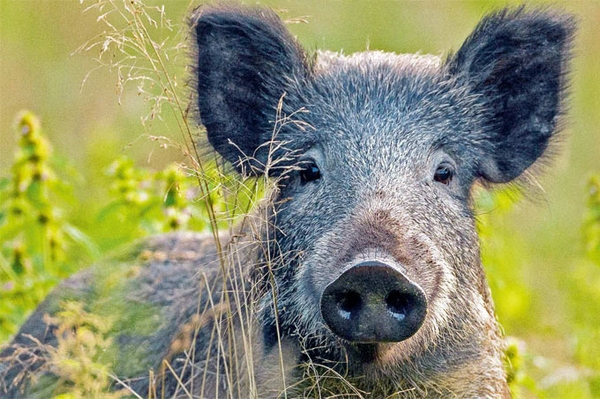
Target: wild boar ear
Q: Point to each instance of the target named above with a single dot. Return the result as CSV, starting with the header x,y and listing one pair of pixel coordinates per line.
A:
x,y
515,62
246,59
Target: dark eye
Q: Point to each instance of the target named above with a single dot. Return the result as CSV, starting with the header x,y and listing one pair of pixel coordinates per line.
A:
x,y
443,174
309,172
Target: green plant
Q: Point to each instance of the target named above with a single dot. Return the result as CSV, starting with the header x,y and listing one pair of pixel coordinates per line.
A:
x,y
40,246
592,222
529,373
77,359
34,231
145,202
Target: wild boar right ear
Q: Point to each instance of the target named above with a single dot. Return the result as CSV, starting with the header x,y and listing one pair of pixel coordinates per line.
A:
x,y
246,61
515,63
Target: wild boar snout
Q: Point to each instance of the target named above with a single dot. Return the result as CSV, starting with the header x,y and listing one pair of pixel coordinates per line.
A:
x,y
373,302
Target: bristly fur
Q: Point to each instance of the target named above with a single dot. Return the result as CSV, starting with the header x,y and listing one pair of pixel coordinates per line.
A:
x,y
356,144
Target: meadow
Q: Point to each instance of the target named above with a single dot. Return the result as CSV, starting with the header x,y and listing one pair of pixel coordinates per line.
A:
x,y
97,150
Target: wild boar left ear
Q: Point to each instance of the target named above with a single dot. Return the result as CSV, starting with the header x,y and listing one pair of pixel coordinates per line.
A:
x,y
246,61
515,62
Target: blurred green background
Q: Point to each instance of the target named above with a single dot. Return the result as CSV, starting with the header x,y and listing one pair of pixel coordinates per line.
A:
x,y
547,291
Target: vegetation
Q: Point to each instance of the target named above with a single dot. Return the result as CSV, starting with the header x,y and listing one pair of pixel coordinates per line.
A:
x,y
34,233
59,213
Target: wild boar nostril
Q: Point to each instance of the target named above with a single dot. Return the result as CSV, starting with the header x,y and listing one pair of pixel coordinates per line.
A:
x,y
398,304
348,304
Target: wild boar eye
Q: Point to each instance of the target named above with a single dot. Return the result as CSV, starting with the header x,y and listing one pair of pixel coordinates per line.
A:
x,y
443,174
309,172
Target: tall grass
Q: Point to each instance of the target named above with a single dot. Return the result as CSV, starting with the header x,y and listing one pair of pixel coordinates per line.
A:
x,y
220,203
